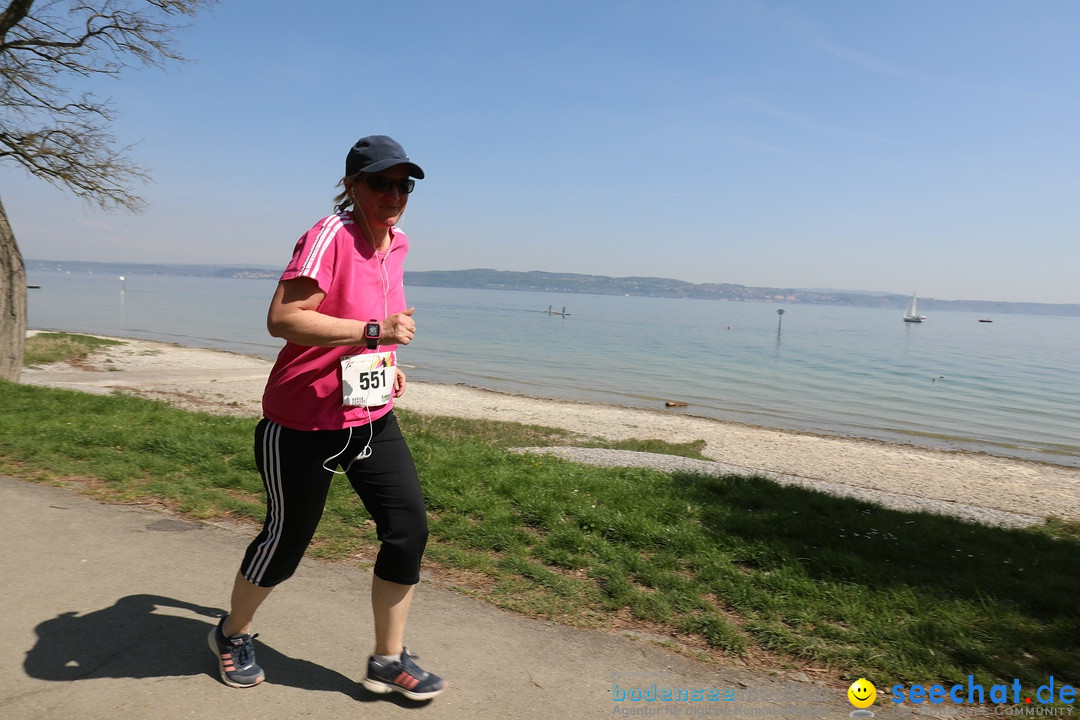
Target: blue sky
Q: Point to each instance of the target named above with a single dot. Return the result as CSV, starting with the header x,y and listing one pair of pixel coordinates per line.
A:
x,y
900,146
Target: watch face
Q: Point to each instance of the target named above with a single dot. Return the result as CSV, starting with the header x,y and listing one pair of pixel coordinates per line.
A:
x,y
371,330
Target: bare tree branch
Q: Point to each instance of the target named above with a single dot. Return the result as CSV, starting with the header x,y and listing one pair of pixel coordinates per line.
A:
x,y
60,134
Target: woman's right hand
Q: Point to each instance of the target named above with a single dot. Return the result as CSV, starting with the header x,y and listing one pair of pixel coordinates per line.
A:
x,y
398,328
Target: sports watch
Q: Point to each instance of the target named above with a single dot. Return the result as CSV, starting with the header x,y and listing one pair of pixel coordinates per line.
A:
x,y
372,333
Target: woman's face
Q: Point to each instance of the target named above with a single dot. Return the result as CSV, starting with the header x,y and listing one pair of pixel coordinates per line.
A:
x,y
382,208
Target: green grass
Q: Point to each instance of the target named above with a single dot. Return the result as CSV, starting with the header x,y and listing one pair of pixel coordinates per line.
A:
x,y
732,564
50,347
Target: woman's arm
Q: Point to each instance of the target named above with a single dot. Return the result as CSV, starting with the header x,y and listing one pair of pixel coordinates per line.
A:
x,y
294,316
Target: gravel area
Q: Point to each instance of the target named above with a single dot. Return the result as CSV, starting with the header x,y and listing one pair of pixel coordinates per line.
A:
x,y
603,457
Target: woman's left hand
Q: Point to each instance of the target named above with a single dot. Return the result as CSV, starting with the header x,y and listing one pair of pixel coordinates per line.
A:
x,y
399,383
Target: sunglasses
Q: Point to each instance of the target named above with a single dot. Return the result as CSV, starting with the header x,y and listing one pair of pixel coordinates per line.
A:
x,y
381,184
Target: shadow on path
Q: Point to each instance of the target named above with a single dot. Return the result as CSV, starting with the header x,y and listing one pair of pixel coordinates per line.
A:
x,y
132,639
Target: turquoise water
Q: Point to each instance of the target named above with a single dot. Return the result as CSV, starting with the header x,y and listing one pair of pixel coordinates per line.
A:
x,y
1009,387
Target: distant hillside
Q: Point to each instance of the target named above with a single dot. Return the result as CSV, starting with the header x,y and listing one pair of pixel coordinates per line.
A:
x,y
539,281
118,268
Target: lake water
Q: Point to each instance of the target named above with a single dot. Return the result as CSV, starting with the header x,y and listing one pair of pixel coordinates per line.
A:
x,y
1010,387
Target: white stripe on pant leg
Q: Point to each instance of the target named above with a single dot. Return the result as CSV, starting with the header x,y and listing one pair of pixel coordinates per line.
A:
x,y
275,504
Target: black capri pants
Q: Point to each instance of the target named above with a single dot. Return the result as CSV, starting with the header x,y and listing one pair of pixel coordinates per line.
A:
x,y
293,467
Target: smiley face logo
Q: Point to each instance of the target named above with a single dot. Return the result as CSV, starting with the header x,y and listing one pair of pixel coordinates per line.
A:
x,y
862,693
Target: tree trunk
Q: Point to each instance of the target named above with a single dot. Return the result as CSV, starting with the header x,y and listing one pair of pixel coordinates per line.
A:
x,y
12,302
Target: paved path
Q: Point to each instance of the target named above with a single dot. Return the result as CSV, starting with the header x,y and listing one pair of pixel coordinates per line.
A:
x,y
106,609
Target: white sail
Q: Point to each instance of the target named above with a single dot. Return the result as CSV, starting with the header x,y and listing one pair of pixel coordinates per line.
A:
x,y
912,314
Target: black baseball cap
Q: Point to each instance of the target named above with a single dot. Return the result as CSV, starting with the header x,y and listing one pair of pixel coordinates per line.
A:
x,y
377,152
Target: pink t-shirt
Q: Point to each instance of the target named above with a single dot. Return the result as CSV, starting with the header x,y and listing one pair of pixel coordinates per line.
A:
x,y
303,391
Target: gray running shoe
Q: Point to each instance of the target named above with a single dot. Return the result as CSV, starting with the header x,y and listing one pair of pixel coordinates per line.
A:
x,y
403,676
236,658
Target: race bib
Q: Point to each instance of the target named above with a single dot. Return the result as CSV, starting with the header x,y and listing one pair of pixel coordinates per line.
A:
x,y
368,380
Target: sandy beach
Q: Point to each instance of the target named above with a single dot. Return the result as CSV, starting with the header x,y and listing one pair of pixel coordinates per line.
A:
x,y
977,487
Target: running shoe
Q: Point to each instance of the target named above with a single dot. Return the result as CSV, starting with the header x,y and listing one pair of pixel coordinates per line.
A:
x,y
403,676
236,658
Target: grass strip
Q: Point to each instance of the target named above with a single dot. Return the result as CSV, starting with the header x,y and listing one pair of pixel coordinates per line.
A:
x,y
49,347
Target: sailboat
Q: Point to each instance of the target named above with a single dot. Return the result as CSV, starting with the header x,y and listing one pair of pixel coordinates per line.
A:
x,y
912,312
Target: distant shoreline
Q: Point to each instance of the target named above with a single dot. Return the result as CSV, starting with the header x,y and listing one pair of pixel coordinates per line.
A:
x,y
540,281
